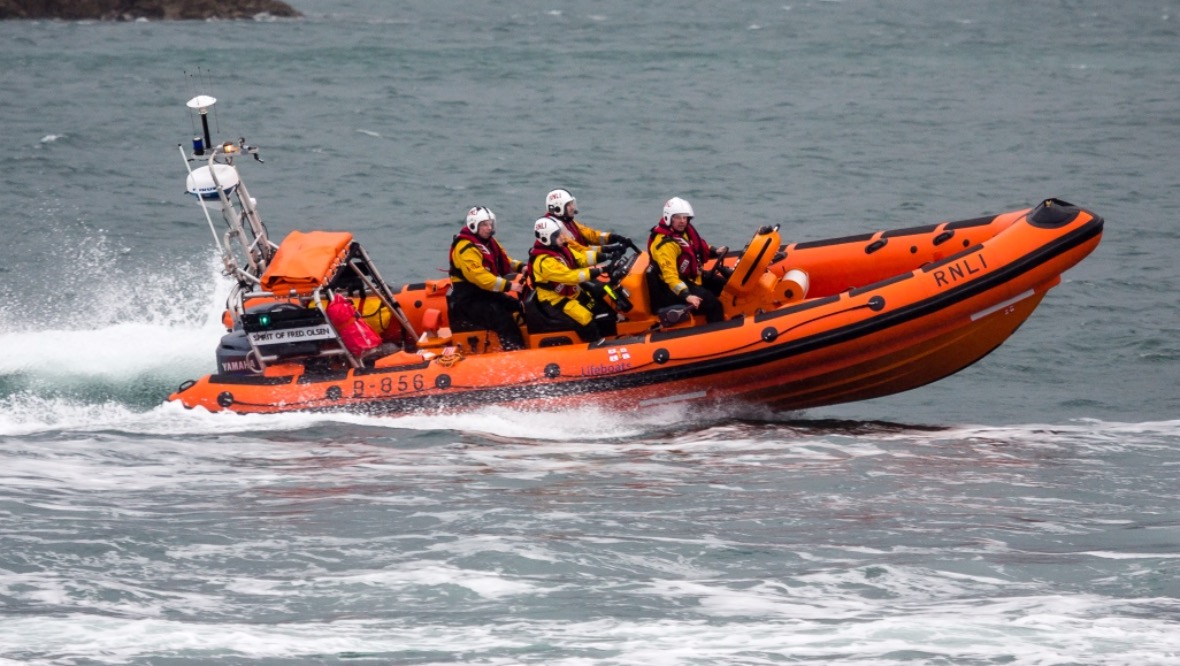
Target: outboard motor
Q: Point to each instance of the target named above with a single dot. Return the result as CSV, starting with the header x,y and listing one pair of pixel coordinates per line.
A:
x,y
234,355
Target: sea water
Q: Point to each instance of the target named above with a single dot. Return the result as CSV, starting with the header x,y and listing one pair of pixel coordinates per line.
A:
x,y
1024,511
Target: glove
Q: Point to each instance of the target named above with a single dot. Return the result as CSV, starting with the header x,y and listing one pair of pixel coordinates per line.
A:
x,y
720,250
595,271
614,250
620,239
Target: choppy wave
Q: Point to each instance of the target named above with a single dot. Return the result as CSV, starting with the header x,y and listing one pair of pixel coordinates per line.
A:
x,y
340,539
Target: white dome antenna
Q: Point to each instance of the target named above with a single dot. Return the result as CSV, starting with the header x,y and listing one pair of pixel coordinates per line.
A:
x,y
201,104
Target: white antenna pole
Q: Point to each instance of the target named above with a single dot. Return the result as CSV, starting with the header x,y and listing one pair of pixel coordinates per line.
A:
x,y
202,103
204,208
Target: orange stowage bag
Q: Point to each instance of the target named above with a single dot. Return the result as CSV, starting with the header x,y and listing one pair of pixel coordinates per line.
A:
x,y
305,261
356,335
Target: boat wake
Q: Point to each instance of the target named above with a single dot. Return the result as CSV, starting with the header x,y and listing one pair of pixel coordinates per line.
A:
x,y
55,412
112,340
29,414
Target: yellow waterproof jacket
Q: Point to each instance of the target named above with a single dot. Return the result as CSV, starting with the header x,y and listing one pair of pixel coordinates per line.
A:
x,y
665,254
554,280
471,262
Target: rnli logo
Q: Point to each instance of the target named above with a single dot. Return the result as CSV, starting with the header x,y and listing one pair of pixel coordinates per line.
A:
x,y
615,355
960,270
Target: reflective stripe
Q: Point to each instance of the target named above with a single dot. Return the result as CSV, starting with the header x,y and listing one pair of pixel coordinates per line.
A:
x,y
1000,306
672,398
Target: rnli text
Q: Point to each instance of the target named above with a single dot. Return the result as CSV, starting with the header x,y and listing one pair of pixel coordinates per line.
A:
x,y
959,270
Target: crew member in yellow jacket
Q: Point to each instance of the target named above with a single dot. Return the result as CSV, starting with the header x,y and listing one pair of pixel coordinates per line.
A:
x,y
556,273
678,255
481,278
593,245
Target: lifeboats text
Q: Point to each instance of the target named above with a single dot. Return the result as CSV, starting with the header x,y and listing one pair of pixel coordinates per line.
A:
x,y
619,360
605,369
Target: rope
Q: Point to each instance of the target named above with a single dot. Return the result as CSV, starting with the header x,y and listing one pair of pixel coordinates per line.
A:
x,y
449,359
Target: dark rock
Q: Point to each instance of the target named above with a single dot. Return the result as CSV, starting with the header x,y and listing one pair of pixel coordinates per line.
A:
x,y
130,10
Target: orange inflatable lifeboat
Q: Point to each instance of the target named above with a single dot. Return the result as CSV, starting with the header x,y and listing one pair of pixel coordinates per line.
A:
x,y
807,323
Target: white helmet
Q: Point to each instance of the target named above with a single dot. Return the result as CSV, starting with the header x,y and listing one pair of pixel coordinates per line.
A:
x,y
557,200
547,230
480,214
676,206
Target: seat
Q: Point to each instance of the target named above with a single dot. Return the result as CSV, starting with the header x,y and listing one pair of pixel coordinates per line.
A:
x,y
540,317
675,315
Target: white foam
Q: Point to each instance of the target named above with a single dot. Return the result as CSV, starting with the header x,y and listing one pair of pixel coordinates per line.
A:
x,y
120,332
1109,555
1090,434
118,352
1023,631
584,424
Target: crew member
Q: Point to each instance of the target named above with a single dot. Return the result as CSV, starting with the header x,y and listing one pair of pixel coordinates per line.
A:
x,y
482,276
556,273
595,245
678,254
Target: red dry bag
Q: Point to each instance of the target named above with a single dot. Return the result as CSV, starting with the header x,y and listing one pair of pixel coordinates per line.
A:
x,y
356,335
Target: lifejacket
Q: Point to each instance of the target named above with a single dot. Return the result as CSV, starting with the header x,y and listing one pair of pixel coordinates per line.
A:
x,y
693,249
564,255
495,259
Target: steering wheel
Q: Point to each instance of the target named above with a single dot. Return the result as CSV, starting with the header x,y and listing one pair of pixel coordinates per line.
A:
x,y
620,267
713,272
